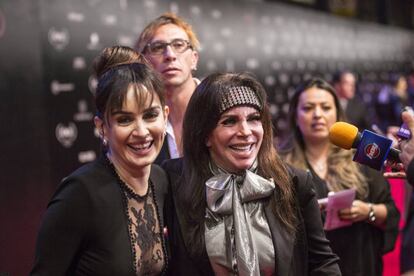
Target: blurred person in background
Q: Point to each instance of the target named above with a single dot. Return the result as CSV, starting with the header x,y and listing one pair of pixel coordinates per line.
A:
x,y
344,83
314,108
390,102
410,80
106,218
170,44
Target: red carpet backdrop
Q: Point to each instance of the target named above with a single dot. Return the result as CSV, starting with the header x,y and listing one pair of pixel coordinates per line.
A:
x,y
46,86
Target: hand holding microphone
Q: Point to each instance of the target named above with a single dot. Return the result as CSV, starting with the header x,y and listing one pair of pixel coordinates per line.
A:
x,y
406,144
372,149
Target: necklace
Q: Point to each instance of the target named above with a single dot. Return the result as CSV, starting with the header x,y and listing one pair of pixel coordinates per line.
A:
x,y
125,186
320,166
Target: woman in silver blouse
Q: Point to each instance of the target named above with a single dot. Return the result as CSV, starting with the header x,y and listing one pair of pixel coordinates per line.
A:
x,y
236,208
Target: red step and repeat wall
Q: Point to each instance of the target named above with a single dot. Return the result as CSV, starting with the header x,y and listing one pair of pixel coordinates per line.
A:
x,y
46,85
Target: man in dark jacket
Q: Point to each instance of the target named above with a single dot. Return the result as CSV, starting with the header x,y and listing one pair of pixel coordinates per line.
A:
x,y
344,83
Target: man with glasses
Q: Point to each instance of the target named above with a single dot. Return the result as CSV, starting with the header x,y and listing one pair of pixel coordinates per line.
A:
x,y
171,46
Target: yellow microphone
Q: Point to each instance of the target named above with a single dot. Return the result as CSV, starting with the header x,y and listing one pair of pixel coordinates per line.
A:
x,y
344,135
372,148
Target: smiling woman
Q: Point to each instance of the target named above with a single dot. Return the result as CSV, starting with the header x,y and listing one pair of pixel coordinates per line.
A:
x,y
134,132
106,218
235,142
314,108
236,208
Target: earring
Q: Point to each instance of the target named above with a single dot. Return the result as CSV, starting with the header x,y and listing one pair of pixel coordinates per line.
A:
x,y
104,142
165,132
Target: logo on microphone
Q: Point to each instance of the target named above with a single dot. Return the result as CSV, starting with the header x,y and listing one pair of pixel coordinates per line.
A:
x,y
372,151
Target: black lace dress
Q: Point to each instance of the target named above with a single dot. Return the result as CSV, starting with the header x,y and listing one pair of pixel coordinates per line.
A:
x,y
96,225
144,229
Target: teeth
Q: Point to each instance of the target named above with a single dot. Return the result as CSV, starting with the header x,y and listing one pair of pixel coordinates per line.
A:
x,y
244,148
142,146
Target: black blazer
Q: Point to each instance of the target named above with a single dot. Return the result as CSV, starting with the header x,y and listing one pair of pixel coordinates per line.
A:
x,y
308,254
85,229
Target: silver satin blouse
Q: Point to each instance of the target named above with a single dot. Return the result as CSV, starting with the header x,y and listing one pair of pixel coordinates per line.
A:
x,y
237,235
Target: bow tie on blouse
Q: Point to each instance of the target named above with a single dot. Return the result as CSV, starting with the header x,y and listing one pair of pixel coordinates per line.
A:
x,y
230,200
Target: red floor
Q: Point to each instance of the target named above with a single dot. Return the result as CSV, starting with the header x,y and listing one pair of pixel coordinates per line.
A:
x,y
392,259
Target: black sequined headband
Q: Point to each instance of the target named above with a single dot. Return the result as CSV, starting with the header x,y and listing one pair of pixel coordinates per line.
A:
x,y
239,95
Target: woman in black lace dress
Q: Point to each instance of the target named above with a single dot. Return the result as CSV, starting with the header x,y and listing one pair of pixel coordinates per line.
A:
x,y
106,217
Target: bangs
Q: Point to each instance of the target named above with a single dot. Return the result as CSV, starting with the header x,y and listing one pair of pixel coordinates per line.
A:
x,y
115,83
143,97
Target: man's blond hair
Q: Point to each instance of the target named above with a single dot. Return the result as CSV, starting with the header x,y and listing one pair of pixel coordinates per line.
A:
x,y
164,19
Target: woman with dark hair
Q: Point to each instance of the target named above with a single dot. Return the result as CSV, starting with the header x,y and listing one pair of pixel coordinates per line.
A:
x,y
314,108
236,208
106,217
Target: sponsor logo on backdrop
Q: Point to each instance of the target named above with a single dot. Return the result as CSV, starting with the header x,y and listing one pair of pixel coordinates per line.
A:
x,y
79,63
86,156
125,40
56,87
94,42
66,134
59,39
76,16
92,84
83,114
109,19
2,24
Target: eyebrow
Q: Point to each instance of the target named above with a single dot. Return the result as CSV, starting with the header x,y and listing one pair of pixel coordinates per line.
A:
x,y
165,41
152,108
236,115
313,103
122,112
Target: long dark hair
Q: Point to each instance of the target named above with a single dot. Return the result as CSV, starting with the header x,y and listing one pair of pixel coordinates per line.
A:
x,y
201,117
294,101
342,172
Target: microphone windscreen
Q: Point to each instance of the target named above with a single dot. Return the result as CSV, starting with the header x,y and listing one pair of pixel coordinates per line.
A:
x,y
343,134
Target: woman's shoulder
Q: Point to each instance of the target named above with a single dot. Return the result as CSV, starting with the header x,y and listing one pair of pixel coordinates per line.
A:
x,y
89,179
93,172
296,172
302,181
299,176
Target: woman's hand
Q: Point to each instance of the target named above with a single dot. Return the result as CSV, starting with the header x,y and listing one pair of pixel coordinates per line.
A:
x,y
322,203
359,211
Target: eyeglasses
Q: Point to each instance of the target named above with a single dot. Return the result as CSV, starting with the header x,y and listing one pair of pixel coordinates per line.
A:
x,y
178,46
